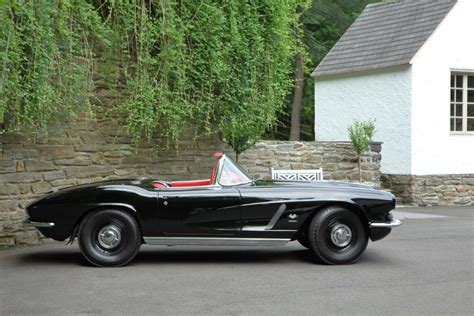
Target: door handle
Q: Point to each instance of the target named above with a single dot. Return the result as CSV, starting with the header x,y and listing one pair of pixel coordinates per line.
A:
x,y
166,197
169,197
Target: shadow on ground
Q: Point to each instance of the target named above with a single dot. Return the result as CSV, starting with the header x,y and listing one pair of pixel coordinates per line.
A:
x,y
222,256
189,256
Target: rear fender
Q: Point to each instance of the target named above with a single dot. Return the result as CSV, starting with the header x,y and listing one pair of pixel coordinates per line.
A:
x,y
104,206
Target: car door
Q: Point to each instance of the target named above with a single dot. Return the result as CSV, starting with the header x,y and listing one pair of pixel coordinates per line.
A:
x,y
199,211
268,212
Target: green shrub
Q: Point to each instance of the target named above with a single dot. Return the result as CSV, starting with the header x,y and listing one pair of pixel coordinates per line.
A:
x,y
361,134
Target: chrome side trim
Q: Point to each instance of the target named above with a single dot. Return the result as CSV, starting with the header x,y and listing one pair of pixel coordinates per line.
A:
x,y
253,228
215,241
270,224
264,228
276,217
394,223
37,224
280,201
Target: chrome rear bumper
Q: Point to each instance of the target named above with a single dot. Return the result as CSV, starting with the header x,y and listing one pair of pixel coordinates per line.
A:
x,y
393,223
37,224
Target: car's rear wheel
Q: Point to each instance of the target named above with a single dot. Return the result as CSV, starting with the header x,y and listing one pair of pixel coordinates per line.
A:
x,y
337,236
109,238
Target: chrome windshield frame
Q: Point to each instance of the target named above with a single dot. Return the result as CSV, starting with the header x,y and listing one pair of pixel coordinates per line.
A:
x,y
224,159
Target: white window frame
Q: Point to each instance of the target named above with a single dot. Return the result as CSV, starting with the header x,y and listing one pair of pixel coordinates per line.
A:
x,y
465,88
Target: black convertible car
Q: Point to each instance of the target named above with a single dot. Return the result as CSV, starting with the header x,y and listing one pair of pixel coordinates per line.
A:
x,y
113,218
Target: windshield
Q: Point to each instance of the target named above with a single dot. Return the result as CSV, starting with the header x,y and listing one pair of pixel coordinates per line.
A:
x,y
233,174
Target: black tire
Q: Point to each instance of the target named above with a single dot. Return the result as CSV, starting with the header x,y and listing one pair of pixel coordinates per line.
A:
x,y
109,238
337,236
303,240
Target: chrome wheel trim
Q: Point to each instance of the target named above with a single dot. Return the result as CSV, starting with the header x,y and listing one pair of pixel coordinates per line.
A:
x,y
109,236
341,235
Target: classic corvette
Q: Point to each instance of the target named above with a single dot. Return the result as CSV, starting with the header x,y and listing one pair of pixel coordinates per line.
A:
x,y
111,219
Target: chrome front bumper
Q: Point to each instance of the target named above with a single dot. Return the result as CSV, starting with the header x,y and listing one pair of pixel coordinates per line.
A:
x,y
37,224
393,223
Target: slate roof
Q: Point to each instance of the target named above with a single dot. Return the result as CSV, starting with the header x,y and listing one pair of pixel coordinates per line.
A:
x,y
385,34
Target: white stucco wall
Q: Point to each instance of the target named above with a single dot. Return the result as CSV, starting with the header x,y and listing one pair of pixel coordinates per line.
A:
x,y
451,46
383,95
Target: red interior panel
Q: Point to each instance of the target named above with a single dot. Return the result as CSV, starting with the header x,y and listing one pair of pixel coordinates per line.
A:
x,y
214,172
158,185
193,183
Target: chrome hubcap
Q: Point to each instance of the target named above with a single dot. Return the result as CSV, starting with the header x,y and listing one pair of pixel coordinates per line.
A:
x,y
109,237
341,235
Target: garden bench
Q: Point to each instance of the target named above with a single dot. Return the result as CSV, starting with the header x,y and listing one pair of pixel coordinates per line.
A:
x,y
298,175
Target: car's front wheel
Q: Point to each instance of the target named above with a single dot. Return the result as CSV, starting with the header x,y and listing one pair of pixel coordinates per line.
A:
x,y
337,236
109,238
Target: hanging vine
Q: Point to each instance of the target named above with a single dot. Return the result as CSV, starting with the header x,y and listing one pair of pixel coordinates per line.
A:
x,y
46,52
200,63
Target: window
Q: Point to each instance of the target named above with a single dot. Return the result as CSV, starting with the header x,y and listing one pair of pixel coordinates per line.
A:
x,y
233,174
462,103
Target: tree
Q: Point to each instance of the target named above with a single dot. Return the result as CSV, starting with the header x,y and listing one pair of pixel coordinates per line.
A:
x,y
297,98
298,85
323,23
361,134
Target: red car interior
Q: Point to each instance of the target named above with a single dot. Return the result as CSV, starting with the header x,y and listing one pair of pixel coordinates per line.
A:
x,y
192,183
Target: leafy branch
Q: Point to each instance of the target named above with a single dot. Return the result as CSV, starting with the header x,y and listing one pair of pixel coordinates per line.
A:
x,y
361,134
198,63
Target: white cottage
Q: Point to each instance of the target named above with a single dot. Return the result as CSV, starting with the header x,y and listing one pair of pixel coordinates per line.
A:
x,y
409,65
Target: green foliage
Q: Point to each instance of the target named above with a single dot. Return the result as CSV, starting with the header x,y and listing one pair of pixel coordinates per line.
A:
x,y
199,63
324,22
262,42
361,134
203,62
46,53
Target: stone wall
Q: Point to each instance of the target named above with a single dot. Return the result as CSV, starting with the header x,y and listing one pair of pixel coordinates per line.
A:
x,y
86,151
95,150
431,190
337,159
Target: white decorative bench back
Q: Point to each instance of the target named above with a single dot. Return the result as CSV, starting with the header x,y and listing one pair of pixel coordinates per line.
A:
x,y
298,175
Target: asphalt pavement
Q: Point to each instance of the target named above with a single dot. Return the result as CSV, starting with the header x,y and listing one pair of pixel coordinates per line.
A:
x,y
423,267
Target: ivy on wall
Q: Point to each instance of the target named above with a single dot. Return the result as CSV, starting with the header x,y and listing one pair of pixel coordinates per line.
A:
x,y
46,51
196,62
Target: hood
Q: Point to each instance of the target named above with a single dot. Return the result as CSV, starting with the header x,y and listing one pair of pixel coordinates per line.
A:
x,y
327,186
314,184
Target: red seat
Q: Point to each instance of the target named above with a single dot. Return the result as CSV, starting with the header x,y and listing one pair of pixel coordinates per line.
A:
x,y
191,183
194,183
